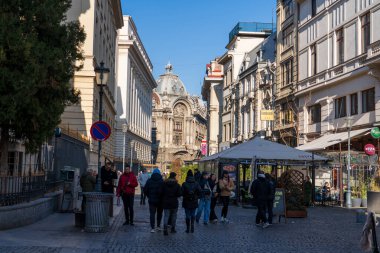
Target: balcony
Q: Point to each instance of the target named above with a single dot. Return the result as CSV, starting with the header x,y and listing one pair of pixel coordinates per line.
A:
x,y
374,52
251,27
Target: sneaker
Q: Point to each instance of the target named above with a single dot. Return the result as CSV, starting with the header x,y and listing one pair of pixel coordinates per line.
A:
x,y
158,229
222,219
226,220
266,224
153,230
259,224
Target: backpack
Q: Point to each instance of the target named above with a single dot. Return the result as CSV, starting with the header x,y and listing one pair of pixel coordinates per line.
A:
x,y
191,193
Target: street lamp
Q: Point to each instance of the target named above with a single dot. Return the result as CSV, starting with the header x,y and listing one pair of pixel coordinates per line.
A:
x,y
125,129
348,196
101,76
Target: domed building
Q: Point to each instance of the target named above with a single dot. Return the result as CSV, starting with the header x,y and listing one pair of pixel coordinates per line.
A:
x,y
178,123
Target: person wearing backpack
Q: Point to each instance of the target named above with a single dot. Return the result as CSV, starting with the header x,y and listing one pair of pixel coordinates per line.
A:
x,y
261,191
171,191
204,200
190,192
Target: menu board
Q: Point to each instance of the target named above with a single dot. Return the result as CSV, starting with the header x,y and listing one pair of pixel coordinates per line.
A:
x,y
279,205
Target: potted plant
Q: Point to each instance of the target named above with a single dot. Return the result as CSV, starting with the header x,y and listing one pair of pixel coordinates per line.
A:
x,y
355,198
363,188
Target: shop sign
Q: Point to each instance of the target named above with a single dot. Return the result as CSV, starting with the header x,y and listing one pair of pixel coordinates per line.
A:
x,y
267,115
204,147
369,149
375,132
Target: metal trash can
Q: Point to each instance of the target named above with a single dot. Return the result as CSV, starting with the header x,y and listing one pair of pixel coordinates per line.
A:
x,y
97,211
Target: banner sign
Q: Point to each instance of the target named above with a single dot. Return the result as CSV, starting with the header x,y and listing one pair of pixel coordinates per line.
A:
x,y
204,147
267,115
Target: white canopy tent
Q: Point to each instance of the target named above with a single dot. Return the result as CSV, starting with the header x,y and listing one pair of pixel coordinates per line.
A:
x,y
261,149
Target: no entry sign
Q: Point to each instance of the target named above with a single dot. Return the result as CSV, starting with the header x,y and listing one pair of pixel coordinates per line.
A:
x,y
100,131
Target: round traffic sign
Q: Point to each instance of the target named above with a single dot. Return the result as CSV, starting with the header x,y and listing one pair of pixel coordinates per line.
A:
x,y
100,131
375,132
369,149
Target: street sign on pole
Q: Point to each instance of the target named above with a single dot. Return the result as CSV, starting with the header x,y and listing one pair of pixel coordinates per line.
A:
x,y
100,131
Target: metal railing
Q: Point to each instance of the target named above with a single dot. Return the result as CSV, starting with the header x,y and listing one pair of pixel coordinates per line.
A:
x,y
251,27
19,189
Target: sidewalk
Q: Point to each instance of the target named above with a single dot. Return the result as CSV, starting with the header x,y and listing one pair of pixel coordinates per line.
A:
x,y
56,233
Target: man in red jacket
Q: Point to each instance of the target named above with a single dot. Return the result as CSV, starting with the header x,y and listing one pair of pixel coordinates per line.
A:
x,y
126,189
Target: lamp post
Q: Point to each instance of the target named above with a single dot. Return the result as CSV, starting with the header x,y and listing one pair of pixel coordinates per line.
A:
x,y
101,74
125,129
348,196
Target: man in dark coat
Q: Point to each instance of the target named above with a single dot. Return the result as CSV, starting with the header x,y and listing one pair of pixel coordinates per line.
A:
x,y
171,191
190,192
152,190
270,200
107,175
260,191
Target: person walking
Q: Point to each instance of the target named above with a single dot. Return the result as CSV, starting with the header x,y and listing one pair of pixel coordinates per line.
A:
x,y
204,199
260,191
270,200
226,186
107,175
126,189
190,192
214,197
171,191
153,189
87,182
143,178
308,186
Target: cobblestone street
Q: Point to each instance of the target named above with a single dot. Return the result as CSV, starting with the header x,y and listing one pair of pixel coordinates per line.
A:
x,y
326,230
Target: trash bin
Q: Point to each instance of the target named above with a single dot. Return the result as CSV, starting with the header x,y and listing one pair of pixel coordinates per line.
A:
x,y
97,211
360,216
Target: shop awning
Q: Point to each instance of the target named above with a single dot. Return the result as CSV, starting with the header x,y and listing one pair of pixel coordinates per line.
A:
x,y
331,139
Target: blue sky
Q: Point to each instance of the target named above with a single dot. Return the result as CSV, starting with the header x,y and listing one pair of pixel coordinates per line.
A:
x,y
190,33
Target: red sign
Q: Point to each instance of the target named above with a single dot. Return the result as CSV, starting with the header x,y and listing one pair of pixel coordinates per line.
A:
x,y
204,147
369,149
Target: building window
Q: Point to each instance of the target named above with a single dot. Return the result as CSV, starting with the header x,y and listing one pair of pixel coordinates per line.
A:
x,y
286,114
287,72
177,139
315,114
313,60
339,46
178,126
366,28
288,9
287,35
368,100
340,107
313,8
354,104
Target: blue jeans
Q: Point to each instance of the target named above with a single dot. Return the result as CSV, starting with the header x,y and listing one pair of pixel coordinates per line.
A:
x,y
190,213
204,205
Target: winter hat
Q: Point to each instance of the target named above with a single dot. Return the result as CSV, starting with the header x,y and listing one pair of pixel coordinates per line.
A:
x,y
172,175
156,170
190,173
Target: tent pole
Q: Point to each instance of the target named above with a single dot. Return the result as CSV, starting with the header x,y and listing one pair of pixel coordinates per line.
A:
x,y
341,198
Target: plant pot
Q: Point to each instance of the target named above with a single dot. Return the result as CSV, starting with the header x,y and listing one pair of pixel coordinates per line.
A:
x,y
296,213
364,202
356,202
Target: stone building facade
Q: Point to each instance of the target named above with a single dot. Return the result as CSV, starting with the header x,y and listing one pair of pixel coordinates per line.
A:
x,y
286,106
101,20
178,123
134,92
339,68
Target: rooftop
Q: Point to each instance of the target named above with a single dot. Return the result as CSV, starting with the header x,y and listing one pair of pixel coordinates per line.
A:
x,y
251,27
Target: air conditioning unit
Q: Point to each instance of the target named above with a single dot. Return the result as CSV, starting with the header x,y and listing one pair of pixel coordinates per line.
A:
x,y
250,94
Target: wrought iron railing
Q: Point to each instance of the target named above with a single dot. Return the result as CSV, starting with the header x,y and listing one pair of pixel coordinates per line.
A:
x,y
19,189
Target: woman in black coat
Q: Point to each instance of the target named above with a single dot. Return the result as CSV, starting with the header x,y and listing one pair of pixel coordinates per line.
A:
x,y
190,192
171,191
